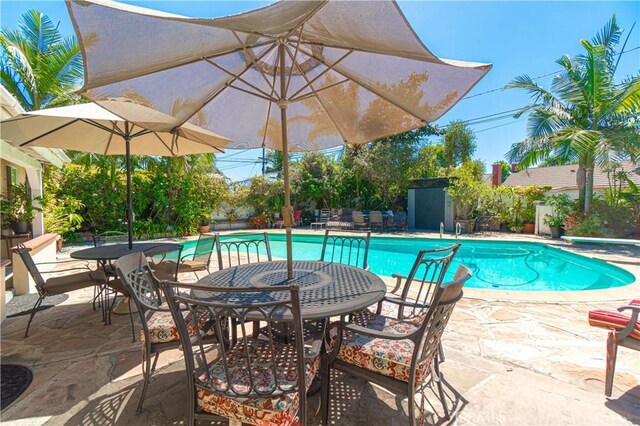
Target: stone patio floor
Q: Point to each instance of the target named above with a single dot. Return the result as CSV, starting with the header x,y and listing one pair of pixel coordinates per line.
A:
x,y
507,362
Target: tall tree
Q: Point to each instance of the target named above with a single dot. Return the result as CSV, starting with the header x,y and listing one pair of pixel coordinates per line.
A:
x,y
459,144
586,117
39,66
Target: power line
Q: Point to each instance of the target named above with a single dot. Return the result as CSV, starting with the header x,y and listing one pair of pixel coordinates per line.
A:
x,y
494,127
537,78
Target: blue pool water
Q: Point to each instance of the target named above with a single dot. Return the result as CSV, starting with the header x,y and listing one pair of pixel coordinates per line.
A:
x,y
500,265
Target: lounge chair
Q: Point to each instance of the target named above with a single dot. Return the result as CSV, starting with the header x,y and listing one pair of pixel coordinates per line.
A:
x,y
297,220
195,262
623,331
358,220
375,220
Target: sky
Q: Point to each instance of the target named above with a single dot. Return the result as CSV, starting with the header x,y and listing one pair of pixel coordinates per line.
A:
x,y
516,37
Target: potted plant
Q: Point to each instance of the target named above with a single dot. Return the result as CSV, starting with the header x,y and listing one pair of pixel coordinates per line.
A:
x,y
19,209
561,205
205,224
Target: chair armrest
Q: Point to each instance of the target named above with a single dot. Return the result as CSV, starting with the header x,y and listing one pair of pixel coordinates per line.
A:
x,y
399,278
405,303
184,257
364,331
635,308
628,329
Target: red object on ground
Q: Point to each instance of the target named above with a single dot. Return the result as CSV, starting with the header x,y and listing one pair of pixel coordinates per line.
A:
x,y
614,320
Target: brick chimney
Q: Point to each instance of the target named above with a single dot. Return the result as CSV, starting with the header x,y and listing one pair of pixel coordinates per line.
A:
x,y
514,167
496,178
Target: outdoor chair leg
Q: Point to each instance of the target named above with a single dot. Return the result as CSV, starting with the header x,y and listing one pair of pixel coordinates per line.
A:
x,y
438,378
97,292
146,373
33,313
440,353
133,330
612,353
412,409
325,389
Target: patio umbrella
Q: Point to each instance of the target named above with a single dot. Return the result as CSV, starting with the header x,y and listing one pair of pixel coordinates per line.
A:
x,y
92,128
292,76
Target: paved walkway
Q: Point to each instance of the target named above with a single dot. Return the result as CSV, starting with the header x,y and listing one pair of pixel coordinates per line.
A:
x,y
507,362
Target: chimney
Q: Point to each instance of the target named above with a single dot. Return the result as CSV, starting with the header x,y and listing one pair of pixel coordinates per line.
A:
x,y
496,178
514,167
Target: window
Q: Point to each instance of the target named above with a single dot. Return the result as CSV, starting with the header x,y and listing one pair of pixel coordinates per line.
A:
x,y
12,178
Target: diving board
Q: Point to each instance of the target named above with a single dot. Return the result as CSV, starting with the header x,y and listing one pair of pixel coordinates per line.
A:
x,y
602,240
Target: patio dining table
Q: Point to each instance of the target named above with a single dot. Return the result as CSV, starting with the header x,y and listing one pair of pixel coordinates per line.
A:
x,y
109,252
326,289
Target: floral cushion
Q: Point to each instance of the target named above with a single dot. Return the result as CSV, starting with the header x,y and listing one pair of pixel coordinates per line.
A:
x,y
162,328
277,410
389,357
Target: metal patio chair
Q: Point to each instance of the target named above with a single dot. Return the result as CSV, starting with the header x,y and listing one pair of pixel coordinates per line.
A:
x,y
58,285
399,355
245,249
346,248
257,381
195,262
159,331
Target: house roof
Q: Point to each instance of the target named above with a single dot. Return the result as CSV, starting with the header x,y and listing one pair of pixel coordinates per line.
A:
x,y
564,177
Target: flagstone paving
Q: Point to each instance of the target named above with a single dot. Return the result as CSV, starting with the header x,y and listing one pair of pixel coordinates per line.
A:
x,y
507,362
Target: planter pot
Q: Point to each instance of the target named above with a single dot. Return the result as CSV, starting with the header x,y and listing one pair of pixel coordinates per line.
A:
x,y
466,226
529,228
59,244
204,228
7,232
21,227
556,231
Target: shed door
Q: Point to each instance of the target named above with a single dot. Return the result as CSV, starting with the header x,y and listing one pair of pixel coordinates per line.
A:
x,y
429,210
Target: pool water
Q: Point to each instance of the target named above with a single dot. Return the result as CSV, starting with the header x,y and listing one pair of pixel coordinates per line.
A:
x,y
504,265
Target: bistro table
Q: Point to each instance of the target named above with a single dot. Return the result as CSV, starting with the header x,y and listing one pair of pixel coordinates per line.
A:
x,y
109,252
326,289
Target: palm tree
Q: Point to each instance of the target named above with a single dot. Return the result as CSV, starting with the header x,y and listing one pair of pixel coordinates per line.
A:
x,y
39,67
586,117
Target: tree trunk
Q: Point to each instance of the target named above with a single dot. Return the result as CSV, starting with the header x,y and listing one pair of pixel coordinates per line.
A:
x,y
588,196
581,183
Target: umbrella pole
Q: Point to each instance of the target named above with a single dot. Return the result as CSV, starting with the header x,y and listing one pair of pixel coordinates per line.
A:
x,y
287,215
129,208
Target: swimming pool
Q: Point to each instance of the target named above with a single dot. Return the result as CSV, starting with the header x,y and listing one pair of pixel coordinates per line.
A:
x,y
503,265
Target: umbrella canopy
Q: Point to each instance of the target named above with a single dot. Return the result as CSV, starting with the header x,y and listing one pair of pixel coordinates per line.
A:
x,y
294,75
92,128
